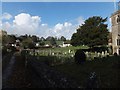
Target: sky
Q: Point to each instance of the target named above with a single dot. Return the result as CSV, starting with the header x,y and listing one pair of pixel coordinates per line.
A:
x,y
51,18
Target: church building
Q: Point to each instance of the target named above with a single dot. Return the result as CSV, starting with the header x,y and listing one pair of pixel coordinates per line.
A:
x,y
115,21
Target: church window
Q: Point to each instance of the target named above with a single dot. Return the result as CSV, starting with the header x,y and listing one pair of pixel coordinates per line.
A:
x,y
118,19
118,41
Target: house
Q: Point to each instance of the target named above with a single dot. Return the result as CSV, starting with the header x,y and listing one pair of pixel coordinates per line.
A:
x,y
66,44
47,45
37,44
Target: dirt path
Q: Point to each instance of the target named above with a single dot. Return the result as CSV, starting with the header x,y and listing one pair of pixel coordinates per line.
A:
x,y
19,74
8,70
13,75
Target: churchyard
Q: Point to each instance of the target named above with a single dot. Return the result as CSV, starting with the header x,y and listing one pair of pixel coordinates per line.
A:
x,y
66,54
105,66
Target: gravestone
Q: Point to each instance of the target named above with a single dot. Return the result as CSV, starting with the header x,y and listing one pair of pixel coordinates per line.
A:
x,y
95,55
69,51
53,54
103,55
106,53
86,54
98,54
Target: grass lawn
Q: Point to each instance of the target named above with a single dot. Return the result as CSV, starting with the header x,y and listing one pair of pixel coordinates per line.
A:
x,y
66,49
107,69
58,42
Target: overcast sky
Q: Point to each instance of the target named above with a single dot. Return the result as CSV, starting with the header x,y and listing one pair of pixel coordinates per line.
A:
x,y
51,18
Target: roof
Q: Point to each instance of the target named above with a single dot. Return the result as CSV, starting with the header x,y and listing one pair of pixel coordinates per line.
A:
x,y
115,13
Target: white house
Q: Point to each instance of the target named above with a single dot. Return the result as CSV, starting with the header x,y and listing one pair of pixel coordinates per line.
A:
x,y
47,45
37,44
66,44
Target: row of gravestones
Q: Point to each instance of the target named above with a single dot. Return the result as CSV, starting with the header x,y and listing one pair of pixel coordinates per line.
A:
x,y
50,53
97,54
71,54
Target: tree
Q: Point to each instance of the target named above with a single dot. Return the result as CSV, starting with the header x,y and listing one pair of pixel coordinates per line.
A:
x,y
63,38
42,39
76,40
42,43
23,37
11,38
35,38
92,33
28,43
53,41
6,39
49,38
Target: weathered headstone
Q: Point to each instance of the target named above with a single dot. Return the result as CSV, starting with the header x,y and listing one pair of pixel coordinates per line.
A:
x,y
53,54
69,51
98,54
86,54
103,54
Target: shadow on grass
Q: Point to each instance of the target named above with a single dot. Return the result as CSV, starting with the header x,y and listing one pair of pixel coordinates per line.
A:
x,y
107,69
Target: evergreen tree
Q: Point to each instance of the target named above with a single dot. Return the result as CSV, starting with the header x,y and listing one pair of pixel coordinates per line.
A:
x,y
92,33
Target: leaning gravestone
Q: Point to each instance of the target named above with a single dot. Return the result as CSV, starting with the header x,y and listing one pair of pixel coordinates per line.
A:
x,y
80,56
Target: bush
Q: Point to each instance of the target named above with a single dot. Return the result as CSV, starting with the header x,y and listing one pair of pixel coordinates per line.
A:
x,y
99,49
24,53
80,56
115,54
4,51
13,49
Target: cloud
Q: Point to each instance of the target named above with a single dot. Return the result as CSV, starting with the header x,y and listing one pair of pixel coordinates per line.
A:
x,y
6,16
24,23
63,29
7,26
80,20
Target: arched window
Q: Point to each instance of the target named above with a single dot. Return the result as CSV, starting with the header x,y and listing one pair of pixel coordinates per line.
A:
x,y
118,19
118,41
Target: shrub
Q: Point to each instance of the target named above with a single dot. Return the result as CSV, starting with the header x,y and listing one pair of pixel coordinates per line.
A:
x,y
115,54
4,51
24,53
99,49
13,49
80,56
